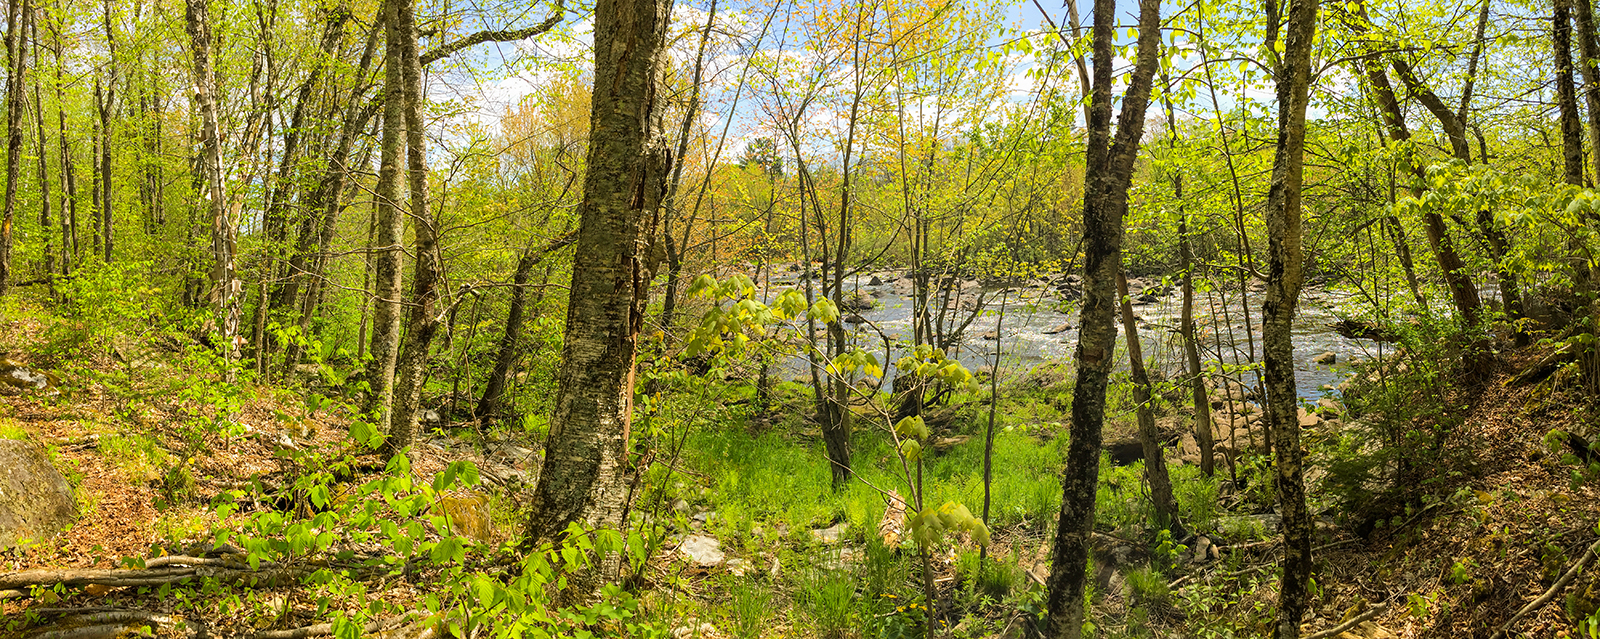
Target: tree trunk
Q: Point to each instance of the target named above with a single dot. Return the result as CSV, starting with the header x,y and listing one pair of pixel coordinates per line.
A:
x,y
1284,280
836,416
421,324
385,348
1107,174
1191,345
669,299
69,214
275,218
1463,292
1203,429
506,353
1155,461
1455,127
1588,53
586,473
16,92
225,285
309,263
106,106
1567,94
48,256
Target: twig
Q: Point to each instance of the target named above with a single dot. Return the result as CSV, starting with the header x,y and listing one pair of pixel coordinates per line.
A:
x,y
1334,544
1572,573
1356,621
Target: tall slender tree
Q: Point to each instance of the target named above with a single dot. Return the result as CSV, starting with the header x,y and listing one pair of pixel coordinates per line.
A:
x,y
1285,275
225,284
386,246
1567,94
1108,173
421,323
16,92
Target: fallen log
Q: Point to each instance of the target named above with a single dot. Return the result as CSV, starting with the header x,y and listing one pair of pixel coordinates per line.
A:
x,y
326,629
1545,367
106,623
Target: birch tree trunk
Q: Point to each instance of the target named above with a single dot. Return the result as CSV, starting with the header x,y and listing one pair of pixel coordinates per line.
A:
x,y
386,246
421,323
16,89
1588,51
1284,279
225,285
1107,175
1567,94
586,476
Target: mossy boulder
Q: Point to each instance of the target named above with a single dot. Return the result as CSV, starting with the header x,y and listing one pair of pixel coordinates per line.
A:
x,y
35,500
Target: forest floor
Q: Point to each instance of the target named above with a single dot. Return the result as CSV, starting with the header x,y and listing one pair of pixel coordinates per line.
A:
x,y
1449,551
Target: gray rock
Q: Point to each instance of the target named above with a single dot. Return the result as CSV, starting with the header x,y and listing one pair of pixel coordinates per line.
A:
x,y
1059,328
19,377
702,550
831,534
1327,358
35,500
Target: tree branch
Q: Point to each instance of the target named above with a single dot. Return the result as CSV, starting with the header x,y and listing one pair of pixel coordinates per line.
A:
x,y
509,35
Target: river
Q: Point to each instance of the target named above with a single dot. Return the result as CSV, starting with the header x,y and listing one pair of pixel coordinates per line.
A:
x,y
1034,309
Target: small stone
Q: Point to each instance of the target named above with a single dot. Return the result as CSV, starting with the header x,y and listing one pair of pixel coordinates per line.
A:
x,y
738,567
1327,358
831,534
1202,548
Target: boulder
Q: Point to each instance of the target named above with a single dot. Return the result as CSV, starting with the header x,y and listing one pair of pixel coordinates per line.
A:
x,y
875,281
1328,407
1189,449
1308,419
35,500
1326,358
991,335
17,376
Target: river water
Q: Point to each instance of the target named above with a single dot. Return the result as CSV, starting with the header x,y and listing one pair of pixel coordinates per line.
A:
x,y
1033,309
